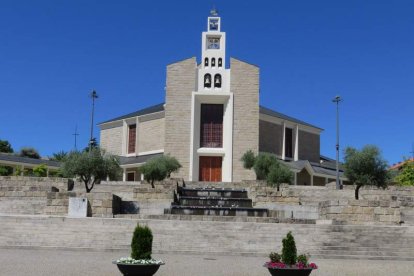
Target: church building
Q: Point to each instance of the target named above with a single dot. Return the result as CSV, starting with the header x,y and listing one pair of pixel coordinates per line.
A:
x,y
211,116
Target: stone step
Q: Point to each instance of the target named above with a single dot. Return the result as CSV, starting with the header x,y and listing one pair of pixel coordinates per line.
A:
x,y
212,192
217,211
215,201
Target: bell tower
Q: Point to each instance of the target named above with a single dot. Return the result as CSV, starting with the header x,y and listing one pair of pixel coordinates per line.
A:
x,y
213,55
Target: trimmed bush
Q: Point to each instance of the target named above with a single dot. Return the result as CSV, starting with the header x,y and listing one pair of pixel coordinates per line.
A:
x,y
289,252
141,245
248,159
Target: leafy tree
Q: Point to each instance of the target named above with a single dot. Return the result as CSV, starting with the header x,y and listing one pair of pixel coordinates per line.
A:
x,y
59,156
263,163
6,170
365,167
91,167
289,252
406,176
141,245
5,146
248,159
279,174
159,168
29,152
40,171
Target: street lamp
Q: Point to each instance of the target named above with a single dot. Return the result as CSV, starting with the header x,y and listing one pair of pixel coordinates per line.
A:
x,y
94,96
336,100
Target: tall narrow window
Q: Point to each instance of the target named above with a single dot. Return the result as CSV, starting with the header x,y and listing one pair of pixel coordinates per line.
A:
x,y
213,62
207,80
211,126
206,62
132,134
288,142
217,81
220,62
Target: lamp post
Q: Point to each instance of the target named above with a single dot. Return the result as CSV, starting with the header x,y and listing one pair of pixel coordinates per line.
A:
x,y
336,100
94,96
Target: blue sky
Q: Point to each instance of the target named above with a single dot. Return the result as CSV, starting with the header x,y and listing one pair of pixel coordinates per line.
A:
x,y
54,53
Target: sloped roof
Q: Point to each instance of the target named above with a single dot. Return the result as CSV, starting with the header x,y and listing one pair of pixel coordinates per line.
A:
x,y
144,111
160,107
26,160
123,160
270,112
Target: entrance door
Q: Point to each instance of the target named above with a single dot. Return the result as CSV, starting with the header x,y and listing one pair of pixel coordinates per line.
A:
x,y
210,168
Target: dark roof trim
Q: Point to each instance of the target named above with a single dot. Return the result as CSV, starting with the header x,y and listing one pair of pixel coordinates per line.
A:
x,y
141,112
270,112
26,160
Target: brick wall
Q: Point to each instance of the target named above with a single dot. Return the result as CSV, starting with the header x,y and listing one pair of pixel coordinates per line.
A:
x,y
270,137
181,82
244,83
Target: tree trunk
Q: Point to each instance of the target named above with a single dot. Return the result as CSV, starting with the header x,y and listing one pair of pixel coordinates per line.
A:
x,y
357,191
152,183
278,188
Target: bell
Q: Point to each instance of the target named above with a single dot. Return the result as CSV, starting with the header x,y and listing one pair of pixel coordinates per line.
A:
x,y
217,81
207,80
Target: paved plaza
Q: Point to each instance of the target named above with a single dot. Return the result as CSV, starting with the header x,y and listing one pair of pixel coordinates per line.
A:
x,y
16,262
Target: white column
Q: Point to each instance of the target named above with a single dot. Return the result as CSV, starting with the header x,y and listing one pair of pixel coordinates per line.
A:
x,y
296,143
124,137
136,137
22,173
124,175
284,141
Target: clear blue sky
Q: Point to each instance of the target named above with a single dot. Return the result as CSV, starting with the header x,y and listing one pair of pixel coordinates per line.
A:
x,y
53,53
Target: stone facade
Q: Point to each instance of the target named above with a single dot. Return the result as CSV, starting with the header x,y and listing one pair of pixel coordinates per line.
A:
x,y
244,83
270,137
181,82
111,138
151,135
309,146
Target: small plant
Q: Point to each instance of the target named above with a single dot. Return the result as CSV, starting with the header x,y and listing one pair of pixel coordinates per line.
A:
x,y
289,252
303,259
40,171
289,260
141,245
275,257
248,159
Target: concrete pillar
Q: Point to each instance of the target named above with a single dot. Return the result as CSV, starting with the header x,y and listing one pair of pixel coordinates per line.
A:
x,y
124,175
47,172
284,141
22,173
296,178
296,156
311,177
136,136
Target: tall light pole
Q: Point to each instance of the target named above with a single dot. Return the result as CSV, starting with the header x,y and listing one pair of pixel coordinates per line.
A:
x,y
336,100
94,96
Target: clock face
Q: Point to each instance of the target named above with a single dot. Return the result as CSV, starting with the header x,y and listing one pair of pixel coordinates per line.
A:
x,y
213,24
213,43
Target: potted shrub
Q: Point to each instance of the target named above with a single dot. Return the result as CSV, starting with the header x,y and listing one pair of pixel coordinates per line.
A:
x,y
288,263
140,263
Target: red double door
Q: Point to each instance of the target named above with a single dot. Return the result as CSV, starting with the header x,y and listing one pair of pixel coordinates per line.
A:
x,y
210,168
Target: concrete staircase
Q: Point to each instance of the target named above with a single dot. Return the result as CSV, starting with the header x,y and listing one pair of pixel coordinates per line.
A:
x,y
214,201
209,237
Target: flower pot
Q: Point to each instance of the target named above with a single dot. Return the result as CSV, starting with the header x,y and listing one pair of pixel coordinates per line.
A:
x,y
290,271
138,269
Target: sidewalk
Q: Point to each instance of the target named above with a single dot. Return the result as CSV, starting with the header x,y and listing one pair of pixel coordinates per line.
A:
x,y
19,262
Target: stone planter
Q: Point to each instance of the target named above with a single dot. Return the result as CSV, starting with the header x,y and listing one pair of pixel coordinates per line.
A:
x,y
138,269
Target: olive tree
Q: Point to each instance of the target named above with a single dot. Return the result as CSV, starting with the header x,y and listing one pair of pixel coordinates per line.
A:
x,y
365,167
91,167
267,167
29,152
159,168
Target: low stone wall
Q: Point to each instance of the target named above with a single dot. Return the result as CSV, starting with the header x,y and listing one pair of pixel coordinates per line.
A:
x,y
361,211
154,200
99,204
24,183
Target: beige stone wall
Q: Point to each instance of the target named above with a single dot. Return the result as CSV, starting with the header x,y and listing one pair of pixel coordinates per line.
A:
x,y
244,83
270,137
181,82
309,146
111,139
151,135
